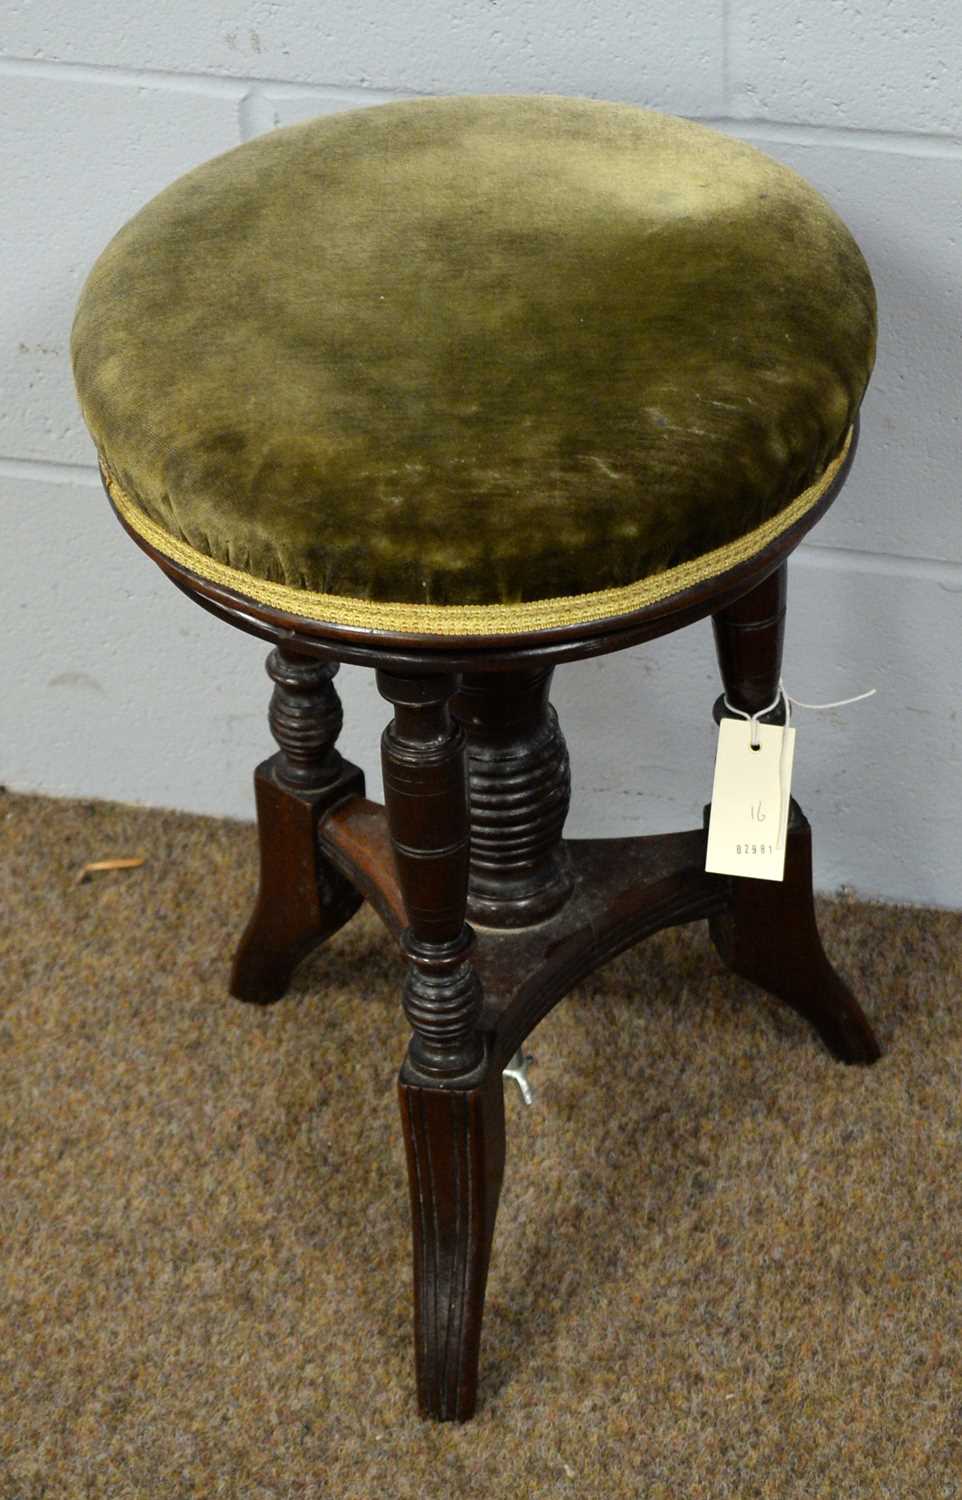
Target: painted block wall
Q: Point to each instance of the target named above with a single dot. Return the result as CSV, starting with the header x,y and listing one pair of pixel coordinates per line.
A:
x,y
113,685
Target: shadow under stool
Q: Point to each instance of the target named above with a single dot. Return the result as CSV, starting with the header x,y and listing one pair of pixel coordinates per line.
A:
x,y
461,390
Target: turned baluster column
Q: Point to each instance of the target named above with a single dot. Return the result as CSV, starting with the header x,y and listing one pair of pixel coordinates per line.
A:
x,y
302,898
306,718
520,790
425,792
749,636
769,933
452,1101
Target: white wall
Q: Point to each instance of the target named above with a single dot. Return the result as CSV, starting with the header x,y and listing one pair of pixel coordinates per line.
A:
x,y
113,685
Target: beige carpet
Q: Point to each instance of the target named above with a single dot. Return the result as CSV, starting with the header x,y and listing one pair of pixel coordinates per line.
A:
x,y
724,1265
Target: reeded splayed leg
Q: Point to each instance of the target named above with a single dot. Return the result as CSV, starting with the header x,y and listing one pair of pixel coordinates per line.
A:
x,y
770,935
452,1102
302,899
519,792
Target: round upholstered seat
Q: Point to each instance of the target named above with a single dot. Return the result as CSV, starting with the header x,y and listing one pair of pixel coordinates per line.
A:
x,y
471,365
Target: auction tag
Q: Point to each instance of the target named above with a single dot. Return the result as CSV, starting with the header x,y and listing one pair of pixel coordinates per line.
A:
x,y
749,801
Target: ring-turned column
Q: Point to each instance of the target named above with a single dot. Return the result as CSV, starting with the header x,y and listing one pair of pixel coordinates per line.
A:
x,y
769,933
452,1100
520,790
302,899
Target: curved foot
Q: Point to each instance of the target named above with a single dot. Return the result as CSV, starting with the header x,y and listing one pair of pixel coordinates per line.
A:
x,y
455,1150
302,899
770,936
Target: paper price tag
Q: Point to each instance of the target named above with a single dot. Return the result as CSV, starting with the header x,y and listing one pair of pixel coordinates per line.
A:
x,y
749,800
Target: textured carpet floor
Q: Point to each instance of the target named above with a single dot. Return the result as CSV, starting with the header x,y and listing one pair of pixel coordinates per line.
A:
x,y
724,1265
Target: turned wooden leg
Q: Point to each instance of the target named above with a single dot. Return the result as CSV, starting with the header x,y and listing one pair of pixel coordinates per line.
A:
x,y
452,1103
519,791
769,934
302,898
455,1151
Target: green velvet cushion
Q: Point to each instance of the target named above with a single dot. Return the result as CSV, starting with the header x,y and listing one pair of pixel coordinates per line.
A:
x,y
474,350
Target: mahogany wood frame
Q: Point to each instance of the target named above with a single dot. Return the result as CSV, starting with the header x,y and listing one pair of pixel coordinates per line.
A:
x,y
476,793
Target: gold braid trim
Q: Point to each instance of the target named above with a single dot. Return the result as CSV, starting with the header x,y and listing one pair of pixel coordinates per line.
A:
x,y
474,619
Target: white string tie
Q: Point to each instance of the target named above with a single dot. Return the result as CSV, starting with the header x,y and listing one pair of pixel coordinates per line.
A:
x,y
842,702
789,701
